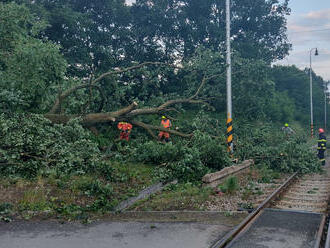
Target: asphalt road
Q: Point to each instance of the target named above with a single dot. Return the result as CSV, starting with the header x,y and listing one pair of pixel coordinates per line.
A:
x,y
48,234
281,229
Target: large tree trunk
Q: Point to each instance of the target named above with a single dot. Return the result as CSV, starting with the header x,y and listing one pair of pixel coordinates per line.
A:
x,y
92,119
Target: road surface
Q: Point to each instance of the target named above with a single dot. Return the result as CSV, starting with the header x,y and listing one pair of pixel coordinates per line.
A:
x,y
20,234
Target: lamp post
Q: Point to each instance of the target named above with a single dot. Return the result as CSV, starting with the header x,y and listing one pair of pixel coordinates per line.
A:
x,y
229,100
325,112
325,106
310,85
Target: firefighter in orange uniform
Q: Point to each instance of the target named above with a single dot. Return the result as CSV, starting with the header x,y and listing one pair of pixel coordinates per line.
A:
x,y
166,123
125,130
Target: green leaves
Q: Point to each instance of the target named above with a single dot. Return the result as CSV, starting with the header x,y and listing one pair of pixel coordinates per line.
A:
x,y
16,23
32,145
187,160
269,146
31,69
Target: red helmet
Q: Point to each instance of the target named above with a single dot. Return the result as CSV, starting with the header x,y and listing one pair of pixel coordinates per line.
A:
x,y
321,130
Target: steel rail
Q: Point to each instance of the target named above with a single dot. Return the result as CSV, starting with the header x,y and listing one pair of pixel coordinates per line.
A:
x,y
232,234
327,242
320,232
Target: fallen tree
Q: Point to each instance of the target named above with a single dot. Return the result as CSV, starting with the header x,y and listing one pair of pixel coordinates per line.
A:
x,y
127,113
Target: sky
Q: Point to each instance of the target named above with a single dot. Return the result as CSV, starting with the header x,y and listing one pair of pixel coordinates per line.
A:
x,y
308,28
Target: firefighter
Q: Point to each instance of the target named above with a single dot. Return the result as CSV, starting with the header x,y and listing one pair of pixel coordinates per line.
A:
x,y
321,146
287,130
166,123
125,130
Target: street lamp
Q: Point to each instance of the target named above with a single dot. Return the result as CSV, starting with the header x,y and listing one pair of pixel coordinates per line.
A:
x,y
325,106
310,85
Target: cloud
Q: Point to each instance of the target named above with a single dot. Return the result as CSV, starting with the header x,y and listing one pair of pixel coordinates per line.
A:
x,y
319,15
306,31
312,20
320,63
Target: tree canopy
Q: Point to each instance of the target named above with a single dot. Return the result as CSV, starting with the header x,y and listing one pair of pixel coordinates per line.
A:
x,y
51,47
95,35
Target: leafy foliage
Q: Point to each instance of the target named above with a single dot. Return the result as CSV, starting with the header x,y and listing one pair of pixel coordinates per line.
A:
x,y
268,146
185,160
31,145
31,69
295,84
95,36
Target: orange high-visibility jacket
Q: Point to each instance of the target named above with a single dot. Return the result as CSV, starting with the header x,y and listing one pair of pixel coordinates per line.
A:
x,y
166,123
124,126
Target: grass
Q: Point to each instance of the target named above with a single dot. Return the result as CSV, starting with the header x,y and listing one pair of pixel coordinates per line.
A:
x,y
81,196
176,197
34,199
76,196
268,175
311,192
188,196
230,186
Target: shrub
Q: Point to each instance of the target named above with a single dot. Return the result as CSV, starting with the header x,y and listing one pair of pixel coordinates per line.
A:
x,y
230,186
267,145
31,144
187,160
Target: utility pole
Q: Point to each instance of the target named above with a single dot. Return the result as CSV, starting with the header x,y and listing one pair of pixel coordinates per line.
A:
x,y
229,100
325,107
325,112
311,87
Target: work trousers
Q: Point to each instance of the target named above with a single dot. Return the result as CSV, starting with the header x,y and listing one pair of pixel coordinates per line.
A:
x,y
321,156
164,135
124,136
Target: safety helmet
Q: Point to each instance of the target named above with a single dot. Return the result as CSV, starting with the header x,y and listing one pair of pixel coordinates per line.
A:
x,y
286,124
321,130
163,117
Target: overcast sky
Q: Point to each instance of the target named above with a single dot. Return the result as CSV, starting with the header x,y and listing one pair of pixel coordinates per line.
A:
x,y
308,27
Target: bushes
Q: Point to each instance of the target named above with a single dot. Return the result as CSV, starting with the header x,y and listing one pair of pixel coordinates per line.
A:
x,y
187,160
31,144
156,153
212,152
267,145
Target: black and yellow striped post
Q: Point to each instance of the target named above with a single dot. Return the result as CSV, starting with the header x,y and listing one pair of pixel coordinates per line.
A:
x,y
228,82
312,130
230,135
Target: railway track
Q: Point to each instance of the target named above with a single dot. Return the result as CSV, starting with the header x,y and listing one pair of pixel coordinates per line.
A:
x,y
297,207
309,193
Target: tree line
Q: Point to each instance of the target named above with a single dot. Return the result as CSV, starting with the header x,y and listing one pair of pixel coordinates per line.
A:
x,y
77,57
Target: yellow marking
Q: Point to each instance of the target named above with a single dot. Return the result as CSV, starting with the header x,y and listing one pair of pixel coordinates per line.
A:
x,y
229,129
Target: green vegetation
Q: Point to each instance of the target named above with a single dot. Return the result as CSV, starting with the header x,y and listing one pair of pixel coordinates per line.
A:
x,y
230,186
185,196
59,151
5,211
32,145
72,196
270,147
252,189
